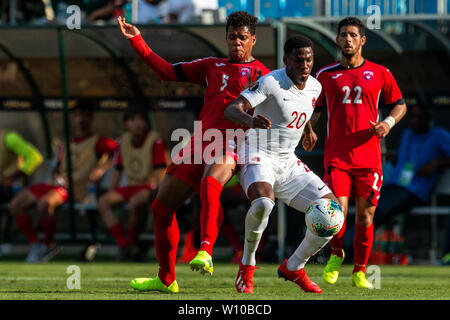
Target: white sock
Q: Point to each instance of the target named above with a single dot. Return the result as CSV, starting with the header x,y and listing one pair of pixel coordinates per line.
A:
x,y
310,245
255,223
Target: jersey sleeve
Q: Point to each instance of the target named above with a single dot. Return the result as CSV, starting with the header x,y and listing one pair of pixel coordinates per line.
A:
x,y
194,71
390,91
163,69
31,156
257,92
159,158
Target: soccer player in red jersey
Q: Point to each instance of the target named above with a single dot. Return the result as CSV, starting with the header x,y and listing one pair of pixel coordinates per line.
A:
x,y
224,79
352,160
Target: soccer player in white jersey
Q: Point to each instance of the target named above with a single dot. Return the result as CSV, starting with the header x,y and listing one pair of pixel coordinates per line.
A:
x,y
283,102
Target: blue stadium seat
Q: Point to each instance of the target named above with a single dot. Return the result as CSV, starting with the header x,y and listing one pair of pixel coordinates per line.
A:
x,y
233,5
270,9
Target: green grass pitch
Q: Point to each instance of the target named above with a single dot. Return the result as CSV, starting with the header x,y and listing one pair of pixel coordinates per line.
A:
x,y
110,281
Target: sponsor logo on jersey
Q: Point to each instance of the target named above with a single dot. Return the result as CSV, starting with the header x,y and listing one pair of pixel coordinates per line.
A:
x,y
245,71
221,64
256,159
368,75
336,76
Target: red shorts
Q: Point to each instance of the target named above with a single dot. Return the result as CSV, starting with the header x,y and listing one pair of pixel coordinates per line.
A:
x,y
127,192
41,189
365,183
189,164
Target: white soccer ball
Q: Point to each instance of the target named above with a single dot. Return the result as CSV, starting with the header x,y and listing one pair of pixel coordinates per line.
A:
x,y
324,218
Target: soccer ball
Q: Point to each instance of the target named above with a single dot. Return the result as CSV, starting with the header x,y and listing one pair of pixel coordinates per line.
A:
x,y
324,218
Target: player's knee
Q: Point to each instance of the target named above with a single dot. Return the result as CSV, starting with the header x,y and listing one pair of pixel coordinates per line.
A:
x,y
261,208
364,220
43,208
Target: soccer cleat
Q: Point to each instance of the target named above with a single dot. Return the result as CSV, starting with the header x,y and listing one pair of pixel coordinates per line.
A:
x,y
244,279
202,262
299,277
359,280
153,284
331,271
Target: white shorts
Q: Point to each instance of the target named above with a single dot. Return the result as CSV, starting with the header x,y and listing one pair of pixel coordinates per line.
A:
x,y
292,181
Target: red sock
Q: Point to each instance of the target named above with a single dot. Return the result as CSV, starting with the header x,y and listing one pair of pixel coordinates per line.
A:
x,y
133,235
117,233
232,237
25,225
189,237
167,236
48,226
362,245
210,216
337,241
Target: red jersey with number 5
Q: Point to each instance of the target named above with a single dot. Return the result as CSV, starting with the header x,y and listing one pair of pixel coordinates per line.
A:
x,y
224,82
351,97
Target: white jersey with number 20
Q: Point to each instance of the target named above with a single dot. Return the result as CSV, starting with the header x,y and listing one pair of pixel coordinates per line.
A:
x,y
288,108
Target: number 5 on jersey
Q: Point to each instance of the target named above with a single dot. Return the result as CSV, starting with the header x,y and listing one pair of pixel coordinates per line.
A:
x,y
224,81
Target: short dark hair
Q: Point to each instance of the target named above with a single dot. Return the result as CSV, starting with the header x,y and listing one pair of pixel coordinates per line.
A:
x,y
352,21
296,42
132,111
242,19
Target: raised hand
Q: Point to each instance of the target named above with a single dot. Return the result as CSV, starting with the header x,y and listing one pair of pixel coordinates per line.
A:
x,y
128,30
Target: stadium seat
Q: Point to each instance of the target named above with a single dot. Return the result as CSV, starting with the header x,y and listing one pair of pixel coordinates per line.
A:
x,y
233,5
293,8
270,9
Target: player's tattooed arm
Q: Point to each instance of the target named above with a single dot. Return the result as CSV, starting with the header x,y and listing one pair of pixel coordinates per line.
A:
x,y
236,112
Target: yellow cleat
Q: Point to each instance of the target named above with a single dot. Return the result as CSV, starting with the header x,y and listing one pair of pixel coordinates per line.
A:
x,y
153,284
359,280
331,271
202,262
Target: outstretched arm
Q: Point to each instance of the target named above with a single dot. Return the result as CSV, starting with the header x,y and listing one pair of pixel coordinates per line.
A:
x,y
236,113
163,69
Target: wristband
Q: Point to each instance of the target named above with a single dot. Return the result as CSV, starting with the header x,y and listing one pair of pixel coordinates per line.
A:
x,y
390,121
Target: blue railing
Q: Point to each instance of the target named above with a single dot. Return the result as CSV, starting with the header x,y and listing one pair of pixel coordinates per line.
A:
x,y
276,9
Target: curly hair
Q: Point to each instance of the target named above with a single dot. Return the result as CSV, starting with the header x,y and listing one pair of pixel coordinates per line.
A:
x,y
242,19
352,21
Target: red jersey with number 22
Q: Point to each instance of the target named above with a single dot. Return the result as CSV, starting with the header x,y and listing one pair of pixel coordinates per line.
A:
x,y
351,97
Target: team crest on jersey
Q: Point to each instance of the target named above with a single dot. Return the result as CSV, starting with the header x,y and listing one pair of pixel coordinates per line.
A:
x,y
313,102
245,71
368,75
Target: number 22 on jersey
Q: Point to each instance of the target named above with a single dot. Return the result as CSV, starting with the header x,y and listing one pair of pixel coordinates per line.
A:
x,y
348,93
